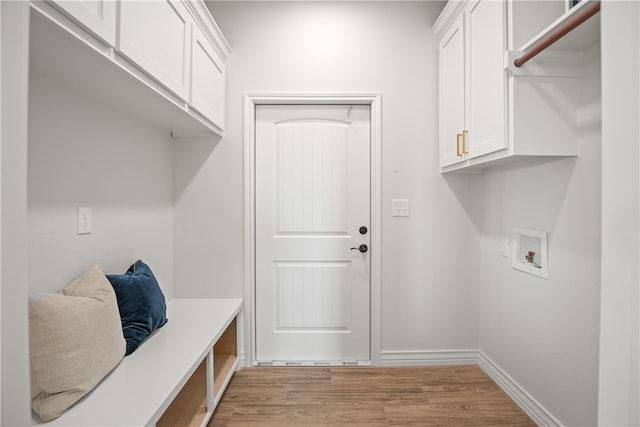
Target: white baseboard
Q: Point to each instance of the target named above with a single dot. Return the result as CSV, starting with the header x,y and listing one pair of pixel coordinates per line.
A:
x,y
428,358
524,400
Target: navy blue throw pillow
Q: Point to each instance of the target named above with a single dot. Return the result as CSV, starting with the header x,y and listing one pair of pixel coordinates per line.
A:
x,y
141,303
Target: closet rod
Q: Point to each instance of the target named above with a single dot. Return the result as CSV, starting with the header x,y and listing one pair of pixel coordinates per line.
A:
x,y
572,23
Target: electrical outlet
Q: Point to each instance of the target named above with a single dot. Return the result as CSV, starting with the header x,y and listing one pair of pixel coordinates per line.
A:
x,y
400,207
505,247
84,220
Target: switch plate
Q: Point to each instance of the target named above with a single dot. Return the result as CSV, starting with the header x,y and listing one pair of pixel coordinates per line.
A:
x,y
400,207
84,220
505,247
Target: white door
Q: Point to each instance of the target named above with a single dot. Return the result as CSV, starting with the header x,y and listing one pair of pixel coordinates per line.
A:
x,y
312,207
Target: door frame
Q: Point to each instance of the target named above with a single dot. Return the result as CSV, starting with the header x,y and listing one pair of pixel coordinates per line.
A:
x,y
251,100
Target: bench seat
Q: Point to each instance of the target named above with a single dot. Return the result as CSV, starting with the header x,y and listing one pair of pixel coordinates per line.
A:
x,y
141,388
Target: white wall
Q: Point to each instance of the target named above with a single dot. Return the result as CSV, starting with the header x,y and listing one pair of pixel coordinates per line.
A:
x,y
619,398
0,216
429,260
545,333
201,216
85,153
15,336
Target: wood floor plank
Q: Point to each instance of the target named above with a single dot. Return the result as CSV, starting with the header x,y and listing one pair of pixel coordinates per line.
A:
x,y
393,375
282,375
366,396
294,413
259,393
355,394
307,423
471,374
222,415
485,392
457,414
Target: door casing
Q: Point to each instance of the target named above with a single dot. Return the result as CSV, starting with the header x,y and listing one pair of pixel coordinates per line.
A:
x,y
251,100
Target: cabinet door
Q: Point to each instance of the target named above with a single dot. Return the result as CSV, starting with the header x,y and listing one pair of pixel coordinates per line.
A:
x,y
452,92
155,35
98,16
486,100
207,79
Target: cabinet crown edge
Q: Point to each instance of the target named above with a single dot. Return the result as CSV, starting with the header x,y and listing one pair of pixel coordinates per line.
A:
x,y
202,15
446,17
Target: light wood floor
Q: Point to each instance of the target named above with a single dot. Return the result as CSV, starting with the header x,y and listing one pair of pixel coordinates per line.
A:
x,y
366,396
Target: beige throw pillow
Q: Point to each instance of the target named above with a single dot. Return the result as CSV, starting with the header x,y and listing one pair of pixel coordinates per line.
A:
x,y
76,339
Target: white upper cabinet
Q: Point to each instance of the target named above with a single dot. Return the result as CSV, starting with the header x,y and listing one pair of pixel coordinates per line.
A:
x,y
155,35
492,111
97,16
452,93
163,60
472,80
207,78
486,98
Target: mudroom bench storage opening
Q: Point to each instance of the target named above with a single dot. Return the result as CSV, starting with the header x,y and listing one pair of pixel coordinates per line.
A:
x,y
175,378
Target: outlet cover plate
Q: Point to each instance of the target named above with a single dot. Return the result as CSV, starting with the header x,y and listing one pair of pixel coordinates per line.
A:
x,y
505,247
84,220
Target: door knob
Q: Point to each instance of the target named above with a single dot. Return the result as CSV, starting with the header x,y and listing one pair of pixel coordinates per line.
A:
x,y
361,248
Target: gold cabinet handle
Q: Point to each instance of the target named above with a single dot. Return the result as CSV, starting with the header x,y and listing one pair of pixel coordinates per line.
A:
x,y
458,136
464,141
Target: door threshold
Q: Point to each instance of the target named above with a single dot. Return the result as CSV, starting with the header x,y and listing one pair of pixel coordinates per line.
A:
x,y
310,363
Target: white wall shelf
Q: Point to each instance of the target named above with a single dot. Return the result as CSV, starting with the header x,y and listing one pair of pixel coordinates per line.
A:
x,y
584,36
563,51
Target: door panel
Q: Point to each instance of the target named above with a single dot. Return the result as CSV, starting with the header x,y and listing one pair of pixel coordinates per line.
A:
x,y
312,195
312,296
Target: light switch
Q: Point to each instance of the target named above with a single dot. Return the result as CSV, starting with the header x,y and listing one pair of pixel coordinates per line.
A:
x,y
84,220
400,207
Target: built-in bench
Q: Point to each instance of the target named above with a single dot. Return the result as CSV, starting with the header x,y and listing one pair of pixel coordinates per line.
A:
x,y
175,378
